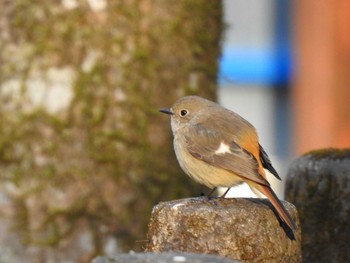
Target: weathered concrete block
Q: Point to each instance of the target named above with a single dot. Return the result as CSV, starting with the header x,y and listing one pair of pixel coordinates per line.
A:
x,y
318,183
244,229
163,258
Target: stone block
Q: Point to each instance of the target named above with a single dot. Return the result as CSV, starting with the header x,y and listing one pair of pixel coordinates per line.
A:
x,y
246,229
318,183
162,258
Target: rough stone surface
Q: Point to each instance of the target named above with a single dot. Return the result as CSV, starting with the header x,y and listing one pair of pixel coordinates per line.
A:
x,y
163,258
245,229
318,184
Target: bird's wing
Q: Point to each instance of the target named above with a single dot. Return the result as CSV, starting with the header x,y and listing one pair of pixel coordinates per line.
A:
x,y
265,160
220,150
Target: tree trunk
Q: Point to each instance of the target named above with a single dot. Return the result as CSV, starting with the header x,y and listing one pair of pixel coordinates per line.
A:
x,y
84,153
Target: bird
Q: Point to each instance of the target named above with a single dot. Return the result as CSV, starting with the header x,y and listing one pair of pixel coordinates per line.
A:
x,y
217,147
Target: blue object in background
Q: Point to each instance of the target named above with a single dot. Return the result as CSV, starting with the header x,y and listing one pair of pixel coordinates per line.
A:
x,y
255,66
261,65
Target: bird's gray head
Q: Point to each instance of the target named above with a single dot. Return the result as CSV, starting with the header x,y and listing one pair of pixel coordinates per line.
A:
x,y
186,110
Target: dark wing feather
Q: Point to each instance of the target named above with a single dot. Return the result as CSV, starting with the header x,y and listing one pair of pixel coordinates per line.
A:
x,y
202,142
265,160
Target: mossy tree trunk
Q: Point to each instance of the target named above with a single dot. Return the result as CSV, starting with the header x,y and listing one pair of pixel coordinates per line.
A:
x,y
84,153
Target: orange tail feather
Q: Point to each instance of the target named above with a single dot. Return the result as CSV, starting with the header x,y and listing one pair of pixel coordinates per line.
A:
x,y
282,212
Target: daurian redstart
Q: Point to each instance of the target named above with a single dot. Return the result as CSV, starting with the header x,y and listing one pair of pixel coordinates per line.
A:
x,y
217,147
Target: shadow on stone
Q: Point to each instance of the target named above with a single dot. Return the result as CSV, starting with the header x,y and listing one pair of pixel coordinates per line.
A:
x,y
289,232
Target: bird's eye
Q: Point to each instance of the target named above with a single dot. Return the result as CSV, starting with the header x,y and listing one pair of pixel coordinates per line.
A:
x,y
183,113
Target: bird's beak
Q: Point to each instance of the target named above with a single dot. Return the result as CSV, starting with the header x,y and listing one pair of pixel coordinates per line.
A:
x,y
166,111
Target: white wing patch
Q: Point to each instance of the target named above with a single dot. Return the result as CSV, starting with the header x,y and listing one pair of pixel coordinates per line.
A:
x,y
223,148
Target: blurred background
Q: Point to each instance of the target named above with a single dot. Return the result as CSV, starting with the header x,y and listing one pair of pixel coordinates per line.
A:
x,y
84,153
284,67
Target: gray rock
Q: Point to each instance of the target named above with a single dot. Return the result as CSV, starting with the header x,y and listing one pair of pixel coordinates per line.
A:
x,y
163,258
244,229
318,184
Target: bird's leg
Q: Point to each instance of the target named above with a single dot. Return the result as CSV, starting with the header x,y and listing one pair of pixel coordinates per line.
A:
x,y
228,189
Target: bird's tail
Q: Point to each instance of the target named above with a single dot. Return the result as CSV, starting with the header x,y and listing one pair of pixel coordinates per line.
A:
x,y
282,212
